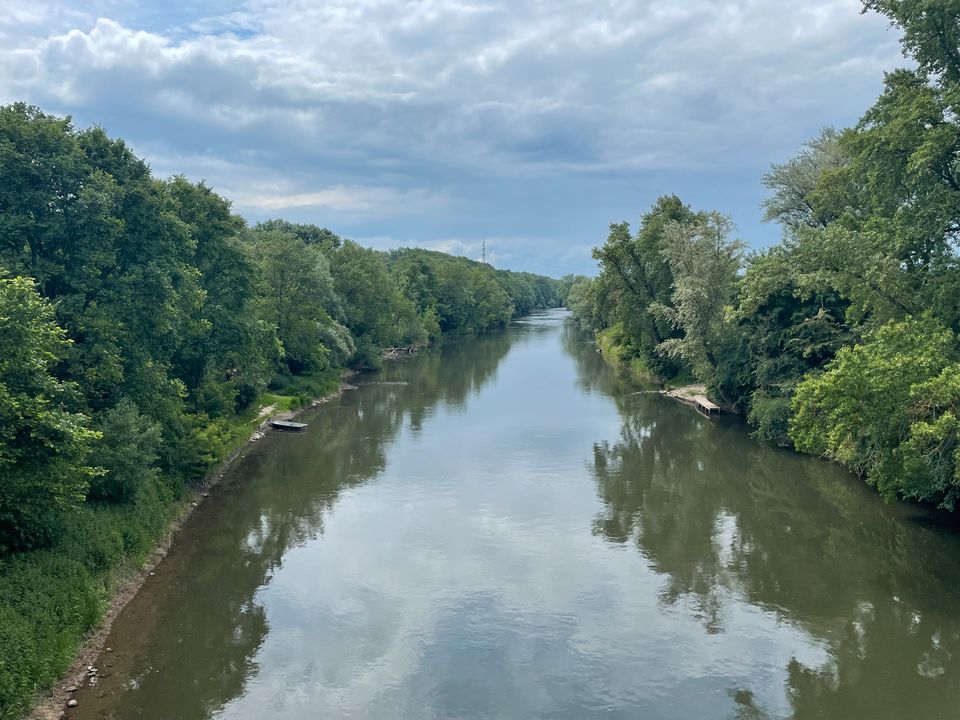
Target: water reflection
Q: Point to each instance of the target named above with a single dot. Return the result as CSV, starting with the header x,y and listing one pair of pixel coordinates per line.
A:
x,y
729,521
507,528
268,504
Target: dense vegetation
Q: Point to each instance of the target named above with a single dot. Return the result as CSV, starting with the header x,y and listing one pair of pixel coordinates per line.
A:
x,y
141,326
840,340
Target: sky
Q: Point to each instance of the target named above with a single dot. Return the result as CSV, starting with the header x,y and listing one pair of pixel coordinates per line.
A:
x,y
527,125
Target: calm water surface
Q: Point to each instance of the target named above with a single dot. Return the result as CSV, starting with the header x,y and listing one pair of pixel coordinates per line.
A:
x,y
504,527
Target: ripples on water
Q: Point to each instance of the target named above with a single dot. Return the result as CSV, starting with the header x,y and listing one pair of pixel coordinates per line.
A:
x,y
504,527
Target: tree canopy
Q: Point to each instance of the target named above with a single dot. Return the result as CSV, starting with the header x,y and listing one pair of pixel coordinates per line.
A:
x,y
841,339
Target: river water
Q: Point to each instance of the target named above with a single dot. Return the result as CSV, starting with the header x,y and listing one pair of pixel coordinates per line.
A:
x,y
506,527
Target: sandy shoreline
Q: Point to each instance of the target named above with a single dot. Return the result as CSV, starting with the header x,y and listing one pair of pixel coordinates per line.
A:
x,y
51,704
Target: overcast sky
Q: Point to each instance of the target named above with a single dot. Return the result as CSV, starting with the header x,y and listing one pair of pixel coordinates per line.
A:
x,y
531,124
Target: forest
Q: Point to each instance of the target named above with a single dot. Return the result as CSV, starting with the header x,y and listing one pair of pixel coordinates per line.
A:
x,y
840,340
142,324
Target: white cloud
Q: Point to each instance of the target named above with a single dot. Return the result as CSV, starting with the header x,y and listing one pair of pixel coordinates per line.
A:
x,y
366,200
406,97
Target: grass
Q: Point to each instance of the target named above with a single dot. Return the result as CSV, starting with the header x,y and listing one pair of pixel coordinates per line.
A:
x,y
616,349
49,598
286,393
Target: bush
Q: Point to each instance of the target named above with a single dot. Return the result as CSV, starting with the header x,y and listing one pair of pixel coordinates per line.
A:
x,y
47,602
886,409
771,417
127,452
50,598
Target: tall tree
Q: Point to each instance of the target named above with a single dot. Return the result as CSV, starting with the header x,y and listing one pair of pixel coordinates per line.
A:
x,y
704,261
227,359
297,298
794,201
44,442
637,276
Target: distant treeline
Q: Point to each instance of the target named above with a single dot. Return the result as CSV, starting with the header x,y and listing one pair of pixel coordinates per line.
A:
x,y
842,339
140,323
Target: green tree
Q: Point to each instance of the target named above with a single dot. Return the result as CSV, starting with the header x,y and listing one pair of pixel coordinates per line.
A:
x,y
931,32
887,409
637,277
491,306
44,442
297,298
704,262
324,238
228,358
581,301
794,201
778,333
126,452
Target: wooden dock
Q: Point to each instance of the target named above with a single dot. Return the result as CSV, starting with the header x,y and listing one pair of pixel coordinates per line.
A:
x,y
704,405
694,395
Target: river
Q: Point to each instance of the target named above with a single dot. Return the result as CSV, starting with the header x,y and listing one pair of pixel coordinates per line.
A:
x,y
506,527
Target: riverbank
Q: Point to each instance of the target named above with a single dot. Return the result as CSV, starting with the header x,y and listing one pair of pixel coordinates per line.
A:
x,y
532,524
124,582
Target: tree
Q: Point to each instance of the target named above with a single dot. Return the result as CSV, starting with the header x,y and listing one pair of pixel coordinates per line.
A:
x,y
371,301
297,299
44,442
637,277
491,305
228,357
888,409
704,262
580,300
126,452
779,333
931,32
325,239
794,202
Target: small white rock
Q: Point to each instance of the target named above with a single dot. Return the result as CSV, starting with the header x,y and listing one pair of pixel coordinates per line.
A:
x,y
72,703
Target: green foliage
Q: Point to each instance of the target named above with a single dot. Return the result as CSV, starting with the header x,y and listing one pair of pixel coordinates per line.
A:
x,y
457,295
140,320
230,352
47,601
778,334
127,453
323,238
794,201
582,301
704,263
297,298
878,410
931,32
770,416
44,442
372,303
635,279
50,598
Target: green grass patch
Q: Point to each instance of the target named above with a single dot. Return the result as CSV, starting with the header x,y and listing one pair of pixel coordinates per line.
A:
x,y
616,348
290,392
285,393
682,379
49,598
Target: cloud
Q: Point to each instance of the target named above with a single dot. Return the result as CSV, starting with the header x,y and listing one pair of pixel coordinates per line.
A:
x,y
366,200
365,104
